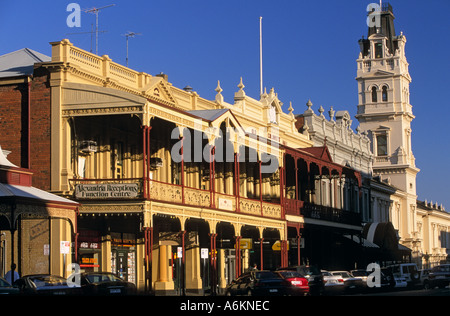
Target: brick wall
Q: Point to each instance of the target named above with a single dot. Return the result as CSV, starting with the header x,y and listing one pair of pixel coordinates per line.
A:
x,y
40,130
14,126
12,133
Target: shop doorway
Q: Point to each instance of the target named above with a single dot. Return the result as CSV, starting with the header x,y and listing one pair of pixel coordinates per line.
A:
x,y
123,256
123,261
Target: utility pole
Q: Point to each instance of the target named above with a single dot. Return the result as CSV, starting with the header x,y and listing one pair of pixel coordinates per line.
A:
x,y
260,56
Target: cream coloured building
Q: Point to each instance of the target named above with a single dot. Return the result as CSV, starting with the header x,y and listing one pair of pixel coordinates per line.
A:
x,y
171,185
385,114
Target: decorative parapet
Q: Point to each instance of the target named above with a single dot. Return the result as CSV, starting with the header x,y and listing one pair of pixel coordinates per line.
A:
x,y
100,68
345,145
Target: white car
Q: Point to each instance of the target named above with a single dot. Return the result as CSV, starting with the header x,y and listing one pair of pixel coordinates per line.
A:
x,y
351,282
400,281
408,271
332,283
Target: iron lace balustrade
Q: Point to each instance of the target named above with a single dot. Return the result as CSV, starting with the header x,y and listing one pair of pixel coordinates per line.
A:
x,y
331,214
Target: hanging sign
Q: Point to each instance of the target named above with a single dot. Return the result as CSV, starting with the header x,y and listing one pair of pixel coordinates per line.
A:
x,y
246,243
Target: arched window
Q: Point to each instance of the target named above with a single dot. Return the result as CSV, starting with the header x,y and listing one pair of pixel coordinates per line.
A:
x,y
374,94
384,94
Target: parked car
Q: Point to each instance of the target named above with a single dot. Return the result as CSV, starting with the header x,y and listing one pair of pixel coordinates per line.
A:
x,y
395,280
6,288
439,276
258,283
45,284
332,284
299,284
105,283
313,275
387,278
351,283
400,281
363,274
408,271
424,281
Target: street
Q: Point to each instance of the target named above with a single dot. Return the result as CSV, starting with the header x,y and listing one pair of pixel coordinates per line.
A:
x,y
407,292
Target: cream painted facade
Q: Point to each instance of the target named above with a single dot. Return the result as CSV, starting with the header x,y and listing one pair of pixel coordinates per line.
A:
x,y
385,114
103,112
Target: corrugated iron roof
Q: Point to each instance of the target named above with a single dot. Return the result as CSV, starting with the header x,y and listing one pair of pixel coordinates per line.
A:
x,y
20,62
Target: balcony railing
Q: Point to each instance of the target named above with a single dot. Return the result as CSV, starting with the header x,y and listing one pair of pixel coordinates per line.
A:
x,y
133,189
331,214
293,206
326,213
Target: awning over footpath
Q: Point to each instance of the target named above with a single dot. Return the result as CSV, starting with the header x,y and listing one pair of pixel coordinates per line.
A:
x,y
384,236
362,241
18,197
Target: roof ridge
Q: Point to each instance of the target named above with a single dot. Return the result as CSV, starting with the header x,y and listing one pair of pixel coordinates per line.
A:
x,y
32,53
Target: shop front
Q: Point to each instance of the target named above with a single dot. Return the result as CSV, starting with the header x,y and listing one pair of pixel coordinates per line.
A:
x,y
123,256
110,242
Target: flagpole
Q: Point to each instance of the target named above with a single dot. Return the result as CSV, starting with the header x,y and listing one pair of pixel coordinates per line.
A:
x,y
260,56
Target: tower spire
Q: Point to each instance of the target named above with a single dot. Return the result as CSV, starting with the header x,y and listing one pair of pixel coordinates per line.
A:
x,y
384,111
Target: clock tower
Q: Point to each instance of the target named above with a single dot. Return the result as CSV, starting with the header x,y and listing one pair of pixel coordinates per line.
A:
x,y
384,109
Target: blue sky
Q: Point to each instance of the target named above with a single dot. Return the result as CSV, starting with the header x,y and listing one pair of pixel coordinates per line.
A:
x,y
310,51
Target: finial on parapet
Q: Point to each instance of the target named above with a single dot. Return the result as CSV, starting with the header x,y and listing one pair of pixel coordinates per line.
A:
x,y
331,114
309,111
290,109
321,110
241,93
219,96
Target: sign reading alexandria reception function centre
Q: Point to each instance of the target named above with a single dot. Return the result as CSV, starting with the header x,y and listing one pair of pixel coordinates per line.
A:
x,y
106,191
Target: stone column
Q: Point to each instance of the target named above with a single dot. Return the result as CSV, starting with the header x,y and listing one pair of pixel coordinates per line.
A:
x,y
164,285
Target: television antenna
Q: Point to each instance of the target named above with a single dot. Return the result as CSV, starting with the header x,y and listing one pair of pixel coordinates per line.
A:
x,y
92,32
127,35
95,11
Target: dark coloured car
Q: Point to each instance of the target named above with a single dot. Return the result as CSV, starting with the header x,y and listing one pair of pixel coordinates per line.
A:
x,y
6,288
314,277
105,283
387,278
45,284
439,276
259,283
299,284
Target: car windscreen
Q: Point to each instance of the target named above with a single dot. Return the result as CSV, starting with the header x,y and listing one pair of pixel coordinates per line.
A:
x,y
4,283
342,274
47,280
266,275
291,274
97,278
409,269
360,273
